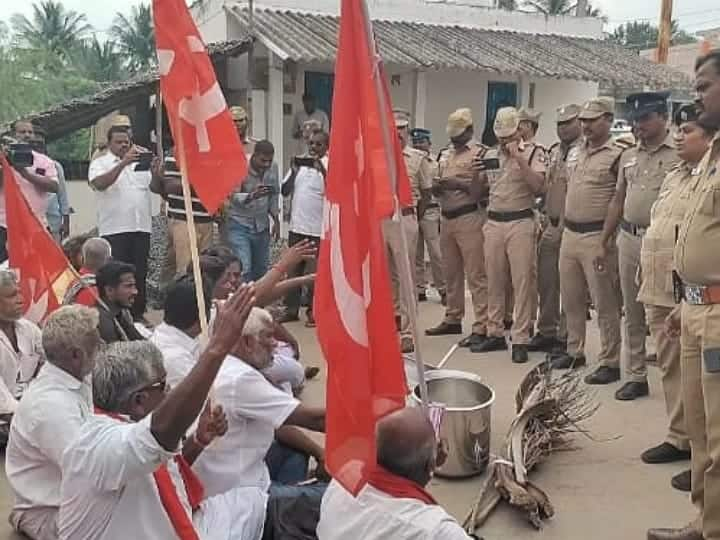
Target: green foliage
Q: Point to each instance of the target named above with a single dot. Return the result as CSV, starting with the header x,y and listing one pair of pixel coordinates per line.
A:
x,y
561,7
640,35
98,61
75,146
510,5
135,37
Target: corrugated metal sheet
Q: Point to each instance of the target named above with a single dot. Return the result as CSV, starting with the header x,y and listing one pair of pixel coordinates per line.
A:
x,y
307,37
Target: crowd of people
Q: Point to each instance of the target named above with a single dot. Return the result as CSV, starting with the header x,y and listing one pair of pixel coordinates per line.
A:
x,y
114,427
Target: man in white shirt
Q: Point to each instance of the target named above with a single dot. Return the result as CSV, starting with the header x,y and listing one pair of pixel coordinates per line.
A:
x,y
124,208
309,112
20,348
122,477
305,184
49,418
394,503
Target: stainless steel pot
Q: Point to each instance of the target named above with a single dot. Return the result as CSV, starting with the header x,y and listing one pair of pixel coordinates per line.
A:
x,y
466,422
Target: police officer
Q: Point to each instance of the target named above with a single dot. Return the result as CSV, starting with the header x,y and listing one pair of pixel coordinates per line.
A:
x,y
552,333
529,124
463,202
240,119
420,173
642,170
510,232
429,222
591,186
697,261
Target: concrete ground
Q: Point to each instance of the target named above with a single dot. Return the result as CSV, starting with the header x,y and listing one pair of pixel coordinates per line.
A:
x,y
601,491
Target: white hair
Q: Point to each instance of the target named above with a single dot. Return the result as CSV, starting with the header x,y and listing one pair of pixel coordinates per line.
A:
x,y
8,278
122,368
258,320
64,327
96,252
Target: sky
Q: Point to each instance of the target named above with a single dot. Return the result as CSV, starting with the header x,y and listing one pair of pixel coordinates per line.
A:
x,y
693,14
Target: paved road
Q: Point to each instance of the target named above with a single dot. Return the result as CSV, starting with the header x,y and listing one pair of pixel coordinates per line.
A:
x,y
600,491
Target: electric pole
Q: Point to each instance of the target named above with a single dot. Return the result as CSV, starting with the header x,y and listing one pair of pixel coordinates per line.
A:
x,y
664,32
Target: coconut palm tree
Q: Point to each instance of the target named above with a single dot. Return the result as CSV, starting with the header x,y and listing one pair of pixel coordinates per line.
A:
x,y
51,28
98,61
552,7
135,37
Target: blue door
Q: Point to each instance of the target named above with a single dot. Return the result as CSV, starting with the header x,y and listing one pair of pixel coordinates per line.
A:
x,y
499,95
320,85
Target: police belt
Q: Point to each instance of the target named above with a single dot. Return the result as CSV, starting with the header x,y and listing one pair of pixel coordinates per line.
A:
x,y
511,216
701,295
584,228
460,211
631,228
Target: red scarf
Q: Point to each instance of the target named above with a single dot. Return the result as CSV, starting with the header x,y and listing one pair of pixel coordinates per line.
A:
x,y
169,497
397,486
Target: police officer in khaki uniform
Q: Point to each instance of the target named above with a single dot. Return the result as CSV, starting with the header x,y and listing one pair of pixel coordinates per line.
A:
x,y
510,232
697,262
240,119
419,168
529,124
552,332
641,173
656,291
429,222
462,195
591,186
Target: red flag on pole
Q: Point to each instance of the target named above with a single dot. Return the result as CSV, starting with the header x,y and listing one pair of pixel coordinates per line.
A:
x,y
43,269
209,146
353,300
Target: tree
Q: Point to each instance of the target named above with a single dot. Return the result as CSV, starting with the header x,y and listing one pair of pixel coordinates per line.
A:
x,y
99,62
562,7
510,5
135,37
640,35
52,28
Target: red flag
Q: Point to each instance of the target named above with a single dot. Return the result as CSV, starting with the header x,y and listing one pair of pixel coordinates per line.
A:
x,y
353,301
44,271
208,146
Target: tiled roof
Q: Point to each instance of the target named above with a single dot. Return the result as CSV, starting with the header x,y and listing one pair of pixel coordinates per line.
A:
x,y
309,37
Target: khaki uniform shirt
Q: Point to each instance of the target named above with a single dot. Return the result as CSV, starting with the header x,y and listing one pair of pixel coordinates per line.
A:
x,y
658,244
591,185
642,171
509,191
458,163
420,171
697,257
561,163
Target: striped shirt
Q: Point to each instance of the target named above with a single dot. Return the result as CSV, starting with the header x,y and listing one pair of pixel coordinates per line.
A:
x,y
176,203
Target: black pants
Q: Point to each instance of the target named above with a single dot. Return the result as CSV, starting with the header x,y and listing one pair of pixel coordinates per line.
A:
x,y
292,300
133,248
3,245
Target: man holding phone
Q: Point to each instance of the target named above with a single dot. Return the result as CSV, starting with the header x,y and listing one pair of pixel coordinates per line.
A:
x,y
122,190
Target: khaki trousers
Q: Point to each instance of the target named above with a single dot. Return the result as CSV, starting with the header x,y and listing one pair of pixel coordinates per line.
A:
x,y
668,359
429,234
404,307
180,238
551,320
701,399
634,326
577,274
510,256
462,247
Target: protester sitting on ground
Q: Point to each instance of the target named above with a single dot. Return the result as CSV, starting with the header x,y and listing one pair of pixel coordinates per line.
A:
x,y
255,409
72,248
20,349
394,504
117,291
122,477
49,417
96,253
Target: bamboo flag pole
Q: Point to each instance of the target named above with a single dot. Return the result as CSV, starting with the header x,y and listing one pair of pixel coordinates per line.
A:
x,y
403,262
159,134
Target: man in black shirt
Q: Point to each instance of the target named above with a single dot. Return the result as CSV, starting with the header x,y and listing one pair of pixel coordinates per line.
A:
x,y
117,289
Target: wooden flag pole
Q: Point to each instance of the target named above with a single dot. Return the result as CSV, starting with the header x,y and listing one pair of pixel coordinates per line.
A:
x,y
407,291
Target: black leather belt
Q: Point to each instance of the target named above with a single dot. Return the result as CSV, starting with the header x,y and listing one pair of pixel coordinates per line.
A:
x,y
631,228
583,228
409,211
510,216
554,221
460,211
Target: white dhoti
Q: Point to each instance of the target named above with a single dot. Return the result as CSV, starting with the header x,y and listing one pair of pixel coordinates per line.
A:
x,y
238,514
36,523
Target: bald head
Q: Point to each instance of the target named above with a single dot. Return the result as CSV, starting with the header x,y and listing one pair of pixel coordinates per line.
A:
x,y
95,252
406,444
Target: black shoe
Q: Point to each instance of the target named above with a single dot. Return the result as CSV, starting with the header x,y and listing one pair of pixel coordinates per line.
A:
x,y
493,343
472,339
519,354
566,361
422,297
632,390
603,375
445,329
542,343
682,481
664,453
508,324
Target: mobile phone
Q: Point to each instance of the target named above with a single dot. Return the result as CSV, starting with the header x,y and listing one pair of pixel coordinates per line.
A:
x,y
489,164
144,160
711,359
304,161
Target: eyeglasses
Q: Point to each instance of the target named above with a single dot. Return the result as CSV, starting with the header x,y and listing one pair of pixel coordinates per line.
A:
x,y
161,385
